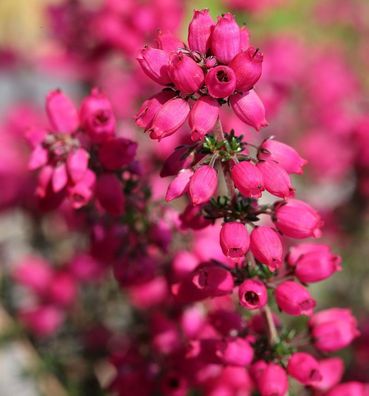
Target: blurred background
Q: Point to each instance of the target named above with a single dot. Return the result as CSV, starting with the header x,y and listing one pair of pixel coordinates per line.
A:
x,y
315,87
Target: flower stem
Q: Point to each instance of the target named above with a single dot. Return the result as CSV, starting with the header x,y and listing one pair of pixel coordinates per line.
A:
x,y
219,134
272,331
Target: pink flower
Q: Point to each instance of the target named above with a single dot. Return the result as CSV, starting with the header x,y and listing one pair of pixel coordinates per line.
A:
x,y
110,195
62,289
97,118
61,112
179,159
203,184
154,62
43,321
183,264
286,156
331,371
235,352
249,108
81,193
167,41
333,329
349,389
304,367
248,179
297,219
35,273
185,73
77,164
276,179
266,246
199,31
252,294
247,66
220,81
313,263
234,239
273,381
226,38
151,107
169,118
116,153
203,117
192,218
213,280
294,299
178,186
85,268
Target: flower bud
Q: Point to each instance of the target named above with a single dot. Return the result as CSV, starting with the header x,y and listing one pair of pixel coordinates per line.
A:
x,y
247,67
220,81
178,186
192,218
183,263
273,381
97,117
250,109
34,273
116,153
181,158
110,195
235,352
304,367
151,107
63,289
248,179
333,329
313,263
234,239
226,38
245,38
203,116
210,61
167,41
276,179
77,163
154,63
266,246
297,219
199,31
61,112
252,294
185,73
331,371
286,156
213,279
203,184
170,118
80,193
294,299
351,388
43,321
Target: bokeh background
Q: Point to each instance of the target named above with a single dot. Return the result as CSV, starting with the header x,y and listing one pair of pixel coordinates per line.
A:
x,y
315,87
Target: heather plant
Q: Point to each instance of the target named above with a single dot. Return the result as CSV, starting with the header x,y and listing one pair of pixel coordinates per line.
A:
x,y
207,295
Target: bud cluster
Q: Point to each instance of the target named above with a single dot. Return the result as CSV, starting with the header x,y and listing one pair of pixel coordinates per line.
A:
x,y
217,66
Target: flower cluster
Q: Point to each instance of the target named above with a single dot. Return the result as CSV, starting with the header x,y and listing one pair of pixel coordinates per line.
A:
x,y
64,153
217,66
256,264
211,296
